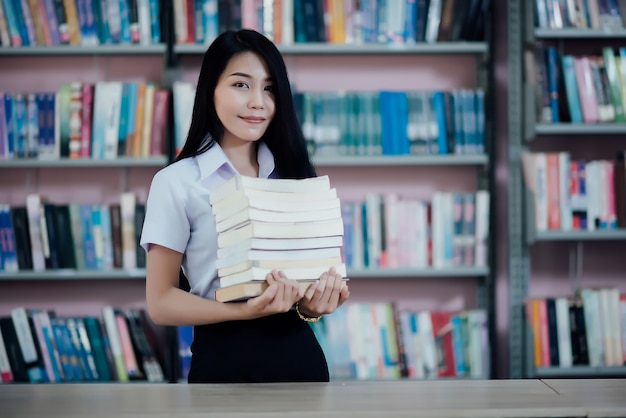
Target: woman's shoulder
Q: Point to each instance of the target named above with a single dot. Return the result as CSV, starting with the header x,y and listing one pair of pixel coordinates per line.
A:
x,y
177,173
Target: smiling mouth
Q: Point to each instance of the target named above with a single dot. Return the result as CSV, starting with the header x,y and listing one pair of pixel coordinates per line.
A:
x,y
253,119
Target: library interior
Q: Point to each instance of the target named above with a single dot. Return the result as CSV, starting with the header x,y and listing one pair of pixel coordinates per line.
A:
x,y
467,184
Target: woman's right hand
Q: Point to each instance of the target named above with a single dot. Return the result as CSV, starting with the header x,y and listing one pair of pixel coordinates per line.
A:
x,y
281,294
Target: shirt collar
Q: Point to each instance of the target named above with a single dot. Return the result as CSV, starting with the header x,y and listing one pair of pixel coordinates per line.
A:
x,y
214,158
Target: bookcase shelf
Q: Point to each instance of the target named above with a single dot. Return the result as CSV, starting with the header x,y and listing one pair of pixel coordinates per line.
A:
x,y
441,48
598,235
77,50
85,163
398,160
580,129
71,274
579,371
570,33
523,134
418,273
174,69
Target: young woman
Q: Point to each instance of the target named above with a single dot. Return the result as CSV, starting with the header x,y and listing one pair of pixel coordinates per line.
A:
x,y
243,122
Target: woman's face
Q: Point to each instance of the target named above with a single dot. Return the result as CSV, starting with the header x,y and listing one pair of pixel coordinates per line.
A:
x,y
244,101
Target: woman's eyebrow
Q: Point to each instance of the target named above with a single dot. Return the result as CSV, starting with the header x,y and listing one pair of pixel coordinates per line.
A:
x,y
239,74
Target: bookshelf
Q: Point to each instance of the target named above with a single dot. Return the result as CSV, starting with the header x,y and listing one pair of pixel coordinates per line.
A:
x,y
324,67
422,66
554,263
74,292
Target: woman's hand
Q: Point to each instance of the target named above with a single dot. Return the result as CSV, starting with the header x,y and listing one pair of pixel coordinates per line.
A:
x,y
325,295
281,294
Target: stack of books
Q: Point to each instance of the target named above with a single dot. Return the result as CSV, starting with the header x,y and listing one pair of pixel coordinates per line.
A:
x,y
275,224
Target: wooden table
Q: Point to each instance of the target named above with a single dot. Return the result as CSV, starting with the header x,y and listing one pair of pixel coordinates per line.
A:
x,y
441,398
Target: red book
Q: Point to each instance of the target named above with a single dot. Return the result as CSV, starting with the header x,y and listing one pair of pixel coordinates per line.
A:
x,y
442,330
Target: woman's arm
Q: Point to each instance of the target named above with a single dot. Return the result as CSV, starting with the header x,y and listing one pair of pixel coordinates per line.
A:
x,y
169,305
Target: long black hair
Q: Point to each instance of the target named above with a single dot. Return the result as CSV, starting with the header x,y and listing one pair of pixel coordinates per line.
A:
x,y
283,136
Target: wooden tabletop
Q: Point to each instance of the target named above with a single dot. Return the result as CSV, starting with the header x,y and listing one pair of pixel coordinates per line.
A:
x,y
441,398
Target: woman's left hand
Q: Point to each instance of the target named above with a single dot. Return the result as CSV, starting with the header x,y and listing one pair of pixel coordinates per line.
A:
x,y
325,295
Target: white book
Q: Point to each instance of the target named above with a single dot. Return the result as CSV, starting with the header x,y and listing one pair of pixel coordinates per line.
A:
x,y
564,191
143,15
256,229
437,228
593,327
593,193
33,209
129,239
280,244
113,102
482,228
112,332
250,255
373,213
276,211
183,108
278,264
429,348
259,273
563,332
541,191
615,338
238,182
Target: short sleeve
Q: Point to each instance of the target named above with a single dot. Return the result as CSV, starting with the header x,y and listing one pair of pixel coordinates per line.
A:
x,y
166,222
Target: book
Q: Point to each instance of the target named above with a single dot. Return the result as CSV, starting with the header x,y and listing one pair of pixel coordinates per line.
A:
x,y
276,255
239,182
279,203
278,264
259,273
256,229
243,291
254,214
281,244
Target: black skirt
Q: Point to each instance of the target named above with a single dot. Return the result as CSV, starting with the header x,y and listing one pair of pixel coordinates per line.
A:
x,y
276,348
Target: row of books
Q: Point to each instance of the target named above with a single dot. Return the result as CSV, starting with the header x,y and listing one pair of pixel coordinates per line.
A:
x,y
579,89
102,120
38,346
576,195
387,231
393,122
588,329
607,15
333,21
45,236
372,341
79,22
375,123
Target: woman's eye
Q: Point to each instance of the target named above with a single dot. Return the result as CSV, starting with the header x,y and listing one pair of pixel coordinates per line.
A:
x,y
269,88
241,84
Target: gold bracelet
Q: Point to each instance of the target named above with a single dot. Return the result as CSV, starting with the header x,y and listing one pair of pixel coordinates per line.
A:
x,y
306,318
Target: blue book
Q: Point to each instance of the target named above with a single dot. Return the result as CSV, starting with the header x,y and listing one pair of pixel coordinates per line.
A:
x,y
571,89
124,22
20,125
184,338
10,132
553,81
89,249
124,118
439,107
155,22
480,121
457,345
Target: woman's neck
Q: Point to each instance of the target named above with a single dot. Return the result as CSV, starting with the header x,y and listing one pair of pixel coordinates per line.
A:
x,y
244,158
